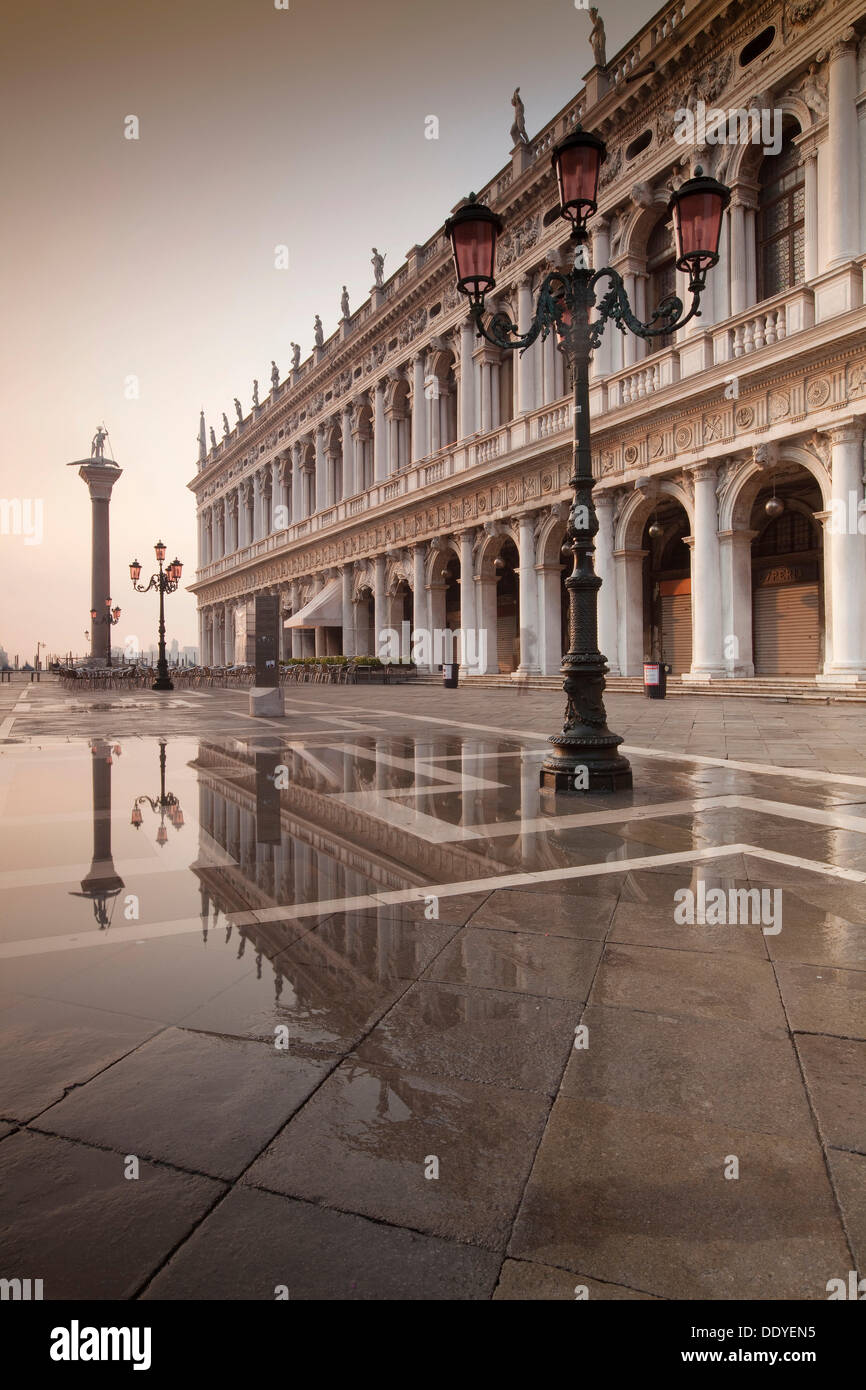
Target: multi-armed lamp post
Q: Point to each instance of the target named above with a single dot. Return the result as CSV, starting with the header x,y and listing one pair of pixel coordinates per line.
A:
x,y
166,581
111,617
585,756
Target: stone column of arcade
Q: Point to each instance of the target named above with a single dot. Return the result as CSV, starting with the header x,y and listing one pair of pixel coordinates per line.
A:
x,y
100,474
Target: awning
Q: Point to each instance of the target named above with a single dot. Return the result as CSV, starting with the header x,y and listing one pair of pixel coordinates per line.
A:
x,y
325,609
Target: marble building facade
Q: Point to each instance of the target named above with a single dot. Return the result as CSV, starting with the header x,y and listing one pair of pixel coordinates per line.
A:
x,y
409,472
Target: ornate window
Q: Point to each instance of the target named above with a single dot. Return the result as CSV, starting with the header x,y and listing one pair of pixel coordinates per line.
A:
x,y
781,222
661,275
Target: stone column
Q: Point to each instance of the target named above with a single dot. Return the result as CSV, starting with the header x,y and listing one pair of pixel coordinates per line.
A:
x,y
468,616
843,155
321,470
630,610
351,484
525,364
100,478
528,596
297,485
380,603
466,413
380,435
257,507
810,214
707,660
847,561
297,637
420,606
606,570
738,255
488,624
420,448
276,492
735,556
348,612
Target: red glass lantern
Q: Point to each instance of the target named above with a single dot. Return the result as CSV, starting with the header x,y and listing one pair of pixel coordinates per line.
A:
x,y
162,836
136,817
93,614
175,569
697,208
473,231
115,613
160,551
135,571
576,162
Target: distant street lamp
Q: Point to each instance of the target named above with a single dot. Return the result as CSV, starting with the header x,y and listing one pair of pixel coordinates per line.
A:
x,y
585,756
166,581
166,804
111,617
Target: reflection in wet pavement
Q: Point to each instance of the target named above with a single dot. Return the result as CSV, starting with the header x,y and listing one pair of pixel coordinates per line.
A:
x,y
298,969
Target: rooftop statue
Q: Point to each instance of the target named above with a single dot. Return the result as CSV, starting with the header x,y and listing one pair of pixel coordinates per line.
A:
x,y
255,391
344,303
317,329
225,423
378,263
275,376
239,410
296,356
518,128
597,38
213,442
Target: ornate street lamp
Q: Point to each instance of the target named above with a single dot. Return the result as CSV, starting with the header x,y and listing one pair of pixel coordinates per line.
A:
x,y
585,756
166,804
166,581
111,617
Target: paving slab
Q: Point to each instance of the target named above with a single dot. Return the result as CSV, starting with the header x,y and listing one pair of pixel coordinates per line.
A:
x,y
70,1217
203,1103
256,1245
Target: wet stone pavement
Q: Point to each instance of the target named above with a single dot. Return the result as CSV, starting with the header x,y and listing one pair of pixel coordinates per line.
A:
x,y
341,1004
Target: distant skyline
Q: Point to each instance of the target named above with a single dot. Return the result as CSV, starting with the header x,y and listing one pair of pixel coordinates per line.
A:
x,y
148,265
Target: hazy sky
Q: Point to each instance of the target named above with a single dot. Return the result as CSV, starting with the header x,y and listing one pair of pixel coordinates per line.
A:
x,y
155,258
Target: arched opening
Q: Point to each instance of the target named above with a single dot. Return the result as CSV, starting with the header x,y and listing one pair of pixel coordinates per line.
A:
x,y
363,432
667,586
661,274
507,566
441,394
781,221
787,578
399,419
365,622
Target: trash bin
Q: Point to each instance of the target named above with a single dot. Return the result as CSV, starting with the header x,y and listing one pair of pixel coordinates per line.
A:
x,y
655,680
449,675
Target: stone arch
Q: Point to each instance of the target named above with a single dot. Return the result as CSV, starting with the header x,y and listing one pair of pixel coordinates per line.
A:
x,y
639,226
489,548
639,506
738,494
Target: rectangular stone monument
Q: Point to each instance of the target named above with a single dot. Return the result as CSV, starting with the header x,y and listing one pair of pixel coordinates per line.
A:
x,y
266,697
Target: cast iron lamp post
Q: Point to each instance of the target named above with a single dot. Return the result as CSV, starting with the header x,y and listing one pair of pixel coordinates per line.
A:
x,y
111,616
166,804
166,581
585,756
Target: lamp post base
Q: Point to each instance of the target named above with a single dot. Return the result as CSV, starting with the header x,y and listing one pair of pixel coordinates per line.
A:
x,y
587,767
162,683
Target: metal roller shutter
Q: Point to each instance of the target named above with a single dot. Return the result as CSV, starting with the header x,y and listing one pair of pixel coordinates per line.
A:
x,y
787,630
677,631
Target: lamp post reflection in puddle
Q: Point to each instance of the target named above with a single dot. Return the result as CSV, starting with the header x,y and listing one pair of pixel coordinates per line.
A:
x,y
166,804
102,884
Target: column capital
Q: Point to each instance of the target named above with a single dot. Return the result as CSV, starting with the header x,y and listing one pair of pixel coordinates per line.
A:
x,y
702,470
846,431
843,42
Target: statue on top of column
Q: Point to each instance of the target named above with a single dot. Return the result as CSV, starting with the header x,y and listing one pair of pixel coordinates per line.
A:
x,y
275,377
97,447
255,392
518,128
317,329
344,303
597,38
378,264
296,356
